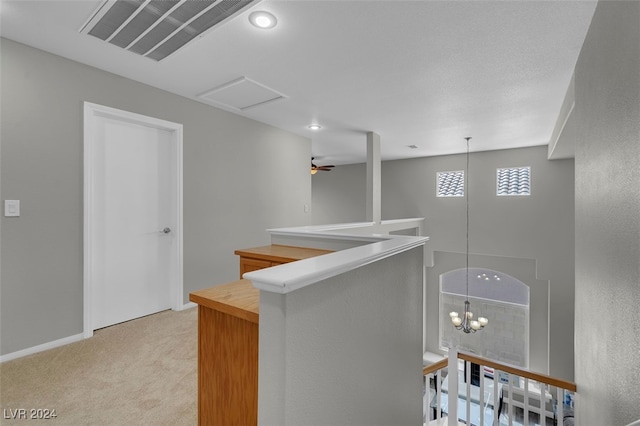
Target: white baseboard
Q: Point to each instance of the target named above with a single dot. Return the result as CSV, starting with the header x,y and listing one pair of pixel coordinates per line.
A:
x,y
61,342
188,306
42,347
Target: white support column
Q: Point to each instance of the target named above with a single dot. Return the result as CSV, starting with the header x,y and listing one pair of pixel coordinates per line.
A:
x,y
374,186
560,404
452,374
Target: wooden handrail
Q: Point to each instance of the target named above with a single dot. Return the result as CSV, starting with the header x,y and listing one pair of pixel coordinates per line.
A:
x,y
434,367
506,368
543,378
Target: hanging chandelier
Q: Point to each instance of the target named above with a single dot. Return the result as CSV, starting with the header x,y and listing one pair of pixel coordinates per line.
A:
x,y
466,322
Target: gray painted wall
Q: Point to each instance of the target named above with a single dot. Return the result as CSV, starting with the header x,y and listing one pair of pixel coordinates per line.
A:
x,y
539,227
240,178
345,350
607,161
339,196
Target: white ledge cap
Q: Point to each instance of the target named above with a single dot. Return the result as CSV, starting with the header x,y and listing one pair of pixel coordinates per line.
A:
x,y
292,276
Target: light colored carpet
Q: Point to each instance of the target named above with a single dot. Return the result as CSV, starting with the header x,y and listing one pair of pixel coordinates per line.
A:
x,y
142,372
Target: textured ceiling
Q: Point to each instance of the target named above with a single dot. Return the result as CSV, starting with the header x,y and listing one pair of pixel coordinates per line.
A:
x,y
425,73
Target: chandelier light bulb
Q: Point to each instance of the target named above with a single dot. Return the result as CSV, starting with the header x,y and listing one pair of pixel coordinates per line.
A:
x,y
466,322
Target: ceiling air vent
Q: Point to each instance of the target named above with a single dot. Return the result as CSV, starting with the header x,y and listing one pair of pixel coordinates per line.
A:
x,y
158,28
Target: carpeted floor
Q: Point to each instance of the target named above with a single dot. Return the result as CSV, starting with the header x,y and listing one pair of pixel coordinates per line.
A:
x,y
142,372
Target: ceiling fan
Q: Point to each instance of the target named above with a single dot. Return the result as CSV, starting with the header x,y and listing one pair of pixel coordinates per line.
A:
x,y
314,168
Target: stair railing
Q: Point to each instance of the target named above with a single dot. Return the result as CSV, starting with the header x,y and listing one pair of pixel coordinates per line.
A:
x,y
516,389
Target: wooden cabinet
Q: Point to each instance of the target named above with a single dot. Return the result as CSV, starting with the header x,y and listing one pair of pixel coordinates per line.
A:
x,y
255,258
228,321
248,265
228,317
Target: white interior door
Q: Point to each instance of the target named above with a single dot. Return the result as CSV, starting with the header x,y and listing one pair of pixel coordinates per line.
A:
x,y
134,224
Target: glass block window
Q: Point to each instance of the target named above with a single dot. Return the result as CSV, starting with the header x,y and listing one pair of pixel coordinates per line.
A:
x,y
514,181
450,184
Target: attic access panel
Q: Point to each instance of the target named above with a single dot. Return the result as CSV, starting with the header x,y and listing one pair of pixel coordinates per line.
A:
x,y
241,94
159,28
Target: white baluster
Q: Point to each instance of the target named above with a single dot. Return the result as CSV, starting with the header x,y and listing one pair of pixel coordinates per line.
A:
x,y
510,400
547,390
496,403
468,391
426,399
438,386
481,395
526,401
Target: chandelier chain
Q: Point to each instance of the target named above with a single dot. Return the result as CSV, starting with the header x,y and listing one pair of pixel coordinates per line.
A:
x,y
467,196
466,323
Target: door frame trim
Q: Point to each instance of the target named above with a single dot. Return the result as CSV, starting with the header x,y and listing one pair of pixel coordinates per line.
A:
x,y
91,112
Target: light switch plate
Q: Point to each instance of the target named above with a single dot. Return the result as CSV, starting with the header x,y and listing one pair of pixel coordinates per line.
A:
x,y
11,208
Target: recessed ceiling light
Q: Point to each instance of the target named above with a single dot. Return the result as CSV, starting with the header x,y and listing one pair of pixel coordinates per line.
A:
x,y
262,19
314,126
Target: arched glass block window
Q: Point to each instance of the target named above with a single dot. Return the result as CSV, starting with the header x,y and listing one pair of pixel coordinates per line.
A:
x,y
502,299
